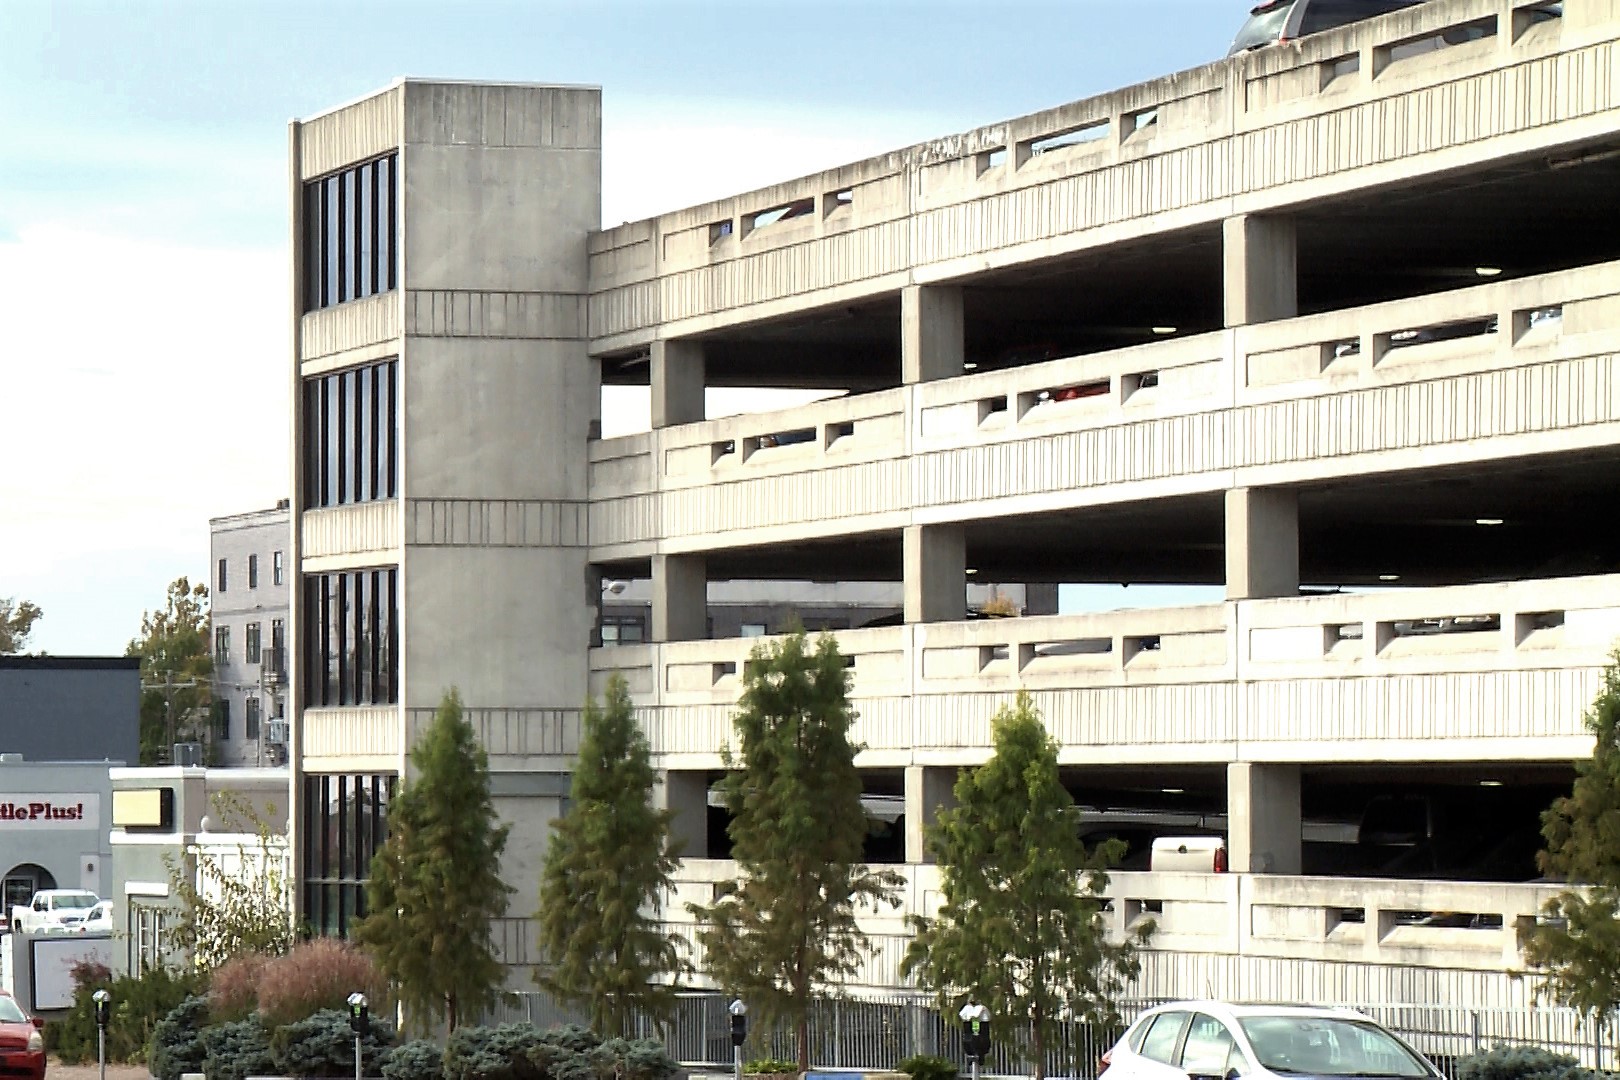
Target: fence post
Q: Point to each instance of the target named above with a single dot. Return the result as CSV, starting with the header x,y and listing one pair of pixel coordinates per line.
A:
x,y
1473,1017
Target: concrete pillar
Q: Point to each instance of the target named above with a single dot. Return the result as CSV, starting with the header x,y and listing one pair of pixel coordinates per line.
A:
x,y
678,382
1262,543
1262,269
680,603
929,790
687,794
931,333
1263,819
936,573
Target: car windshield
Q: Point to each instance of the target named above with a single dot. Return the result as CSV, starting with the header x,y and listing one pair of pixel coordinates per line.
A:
x,y
1329,1046
75,901
10,1012
1264,27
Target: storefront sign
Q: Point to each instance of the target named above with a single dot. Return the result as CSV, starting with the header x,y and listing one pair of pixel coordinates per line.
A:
x,y
23,812
143,808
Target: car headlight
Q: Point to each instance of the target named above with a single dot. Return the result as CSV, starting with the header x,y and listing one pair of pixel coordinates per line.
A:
x,y
36,1042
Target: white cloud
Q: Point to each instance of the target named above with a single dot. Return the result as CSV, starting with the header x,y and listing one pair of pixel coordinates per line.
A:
x,y
145,390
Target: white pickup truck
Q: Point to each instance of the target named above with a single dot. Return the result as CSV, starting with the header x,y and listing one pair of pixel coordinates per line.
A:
x,y
52,911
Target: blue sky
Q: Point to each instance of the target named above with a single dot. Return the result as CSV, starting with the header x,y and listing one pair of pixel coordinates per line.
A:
x,y
143,205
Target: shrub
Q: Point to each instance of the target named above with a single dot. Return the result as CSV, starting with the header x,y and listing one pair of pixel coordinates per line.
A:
x,y
138,1005
639,1059
315,975
1520,1063
928,1067
507,1052
177,1045
237,1050
420,1059
323,1045
770,1065
233,988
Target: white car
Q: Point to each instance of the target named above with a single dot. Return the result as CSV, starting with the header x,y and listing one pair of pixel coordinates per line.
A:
x,y
95,920
53,910
1210,1040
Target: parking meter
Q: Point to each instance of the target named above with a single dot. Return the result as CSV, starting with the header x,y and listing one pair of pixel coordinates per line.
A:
x,y
360,1024
103,1002
739,1033
975,1034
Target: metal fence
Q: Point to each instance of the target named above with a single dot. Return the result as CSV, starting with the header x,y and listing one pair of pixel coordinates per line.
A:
x,y
876,1033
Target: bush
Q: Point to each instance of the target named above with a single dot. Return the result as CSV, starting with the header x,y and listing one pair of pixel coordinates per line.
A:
x,y
639,1059
233,988
420,1059
770,1065
237,1050
1521,1063
323,1045
315,975
138,1005
928,1067
507,1052
177,1045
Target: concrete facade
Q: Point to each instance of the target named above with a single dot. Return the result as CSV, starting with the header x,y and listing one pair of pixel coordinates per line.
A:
x,y
252,552
53,827
1177,334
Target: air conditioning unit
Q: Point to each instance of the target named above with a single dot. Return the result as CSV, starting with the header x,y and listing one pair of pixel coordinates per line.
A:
x,y
189,754
275,731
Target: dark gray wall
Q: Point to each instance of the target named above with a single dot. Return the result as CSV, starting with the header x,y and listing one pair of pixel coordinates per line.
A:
x,y
70,708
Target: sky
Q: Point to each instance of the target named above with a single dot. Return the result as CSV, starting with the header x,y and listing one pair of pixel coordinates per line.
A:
x,y
143,217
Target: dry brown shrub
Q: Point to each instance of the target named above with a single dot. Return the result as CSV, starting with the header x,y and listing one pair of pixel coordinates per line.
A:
x,y
233,988
317,974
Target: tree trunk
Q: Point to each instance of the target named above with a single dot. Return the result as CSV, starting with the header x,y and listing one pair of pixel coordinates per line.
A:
x,y
804,1044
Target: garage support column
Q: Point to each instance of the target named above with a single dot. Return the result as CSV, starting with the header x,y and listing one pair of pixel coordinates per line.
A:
x,y
680,602
1262,269
928,791
686,793
1263,819
678,382
936,573
1262,543
931,333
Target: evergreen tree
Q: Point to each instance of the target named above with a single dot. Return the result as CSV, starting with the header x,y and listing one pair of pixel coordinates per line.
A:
x,y
787,929
435,884
1020,927
1576,949
608,866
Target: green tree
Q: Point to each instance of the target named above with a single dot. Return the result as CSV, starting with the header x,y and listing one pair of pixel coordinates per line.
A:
x,y
177,666
236,901
787,929
16,623
1575,949
436,884
608,866
1020,926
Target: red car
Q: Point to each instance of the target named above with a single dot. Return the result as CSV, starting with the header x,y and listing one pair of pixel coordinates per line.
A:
x,y
22,1047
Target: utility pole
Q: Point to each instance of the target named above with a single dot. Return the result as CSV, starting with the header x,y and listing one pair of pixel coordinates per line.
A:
x,y
168,687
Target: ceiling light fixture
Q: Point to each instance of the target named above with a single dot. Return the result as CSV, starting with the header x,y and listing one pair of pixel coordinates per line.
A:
x,y
1490,783
970,365
1162,331
1487,271
1389,577
1487,521
1174,790
971,571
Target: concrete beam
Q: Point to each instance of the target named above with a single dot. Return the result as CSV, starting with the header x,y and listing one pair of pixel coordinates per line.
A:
x,y
932,333
1263,819
936,573
1261,269
680,602
678,382
1262,543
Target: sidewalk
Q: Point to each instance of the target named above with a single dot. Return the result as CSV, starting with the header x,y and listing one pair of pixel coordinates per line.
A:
x,y
55,1070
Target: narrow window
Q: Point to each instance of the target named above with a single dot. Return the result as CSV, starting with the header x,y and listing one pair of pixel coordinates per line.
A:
x,y
277,568
251,643
253,571
250,718
220,586
222,645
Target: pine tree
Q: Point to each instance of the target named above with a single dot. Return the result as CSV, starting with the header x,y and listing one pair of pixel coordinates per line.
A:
x,y
608,866
1020,927
1576,948
435,884
787,929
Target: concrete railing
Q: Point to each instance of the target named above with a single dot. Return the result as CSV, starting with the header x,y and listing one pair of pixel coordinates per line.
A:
x,y
1309,394
1465,926
1479,672
1198,145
